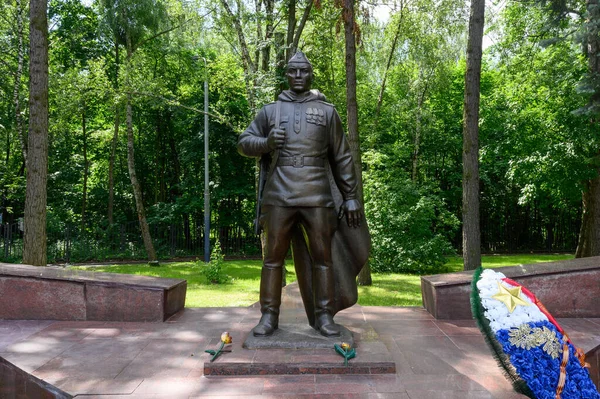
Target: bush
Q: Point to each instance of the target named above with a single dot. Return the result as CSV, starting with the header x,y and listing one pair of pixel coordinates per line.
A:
x,y
410,226
213,269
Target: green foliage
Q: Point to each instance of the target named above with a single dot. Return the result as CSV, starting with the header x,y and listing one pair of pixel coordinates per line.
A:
x,y
409,224
213,270
536,153
534,148
74,33
136,19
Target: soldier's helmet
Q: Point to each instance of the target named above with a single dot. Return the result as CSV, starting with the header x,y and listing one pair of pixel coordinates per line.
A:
x,y
299,59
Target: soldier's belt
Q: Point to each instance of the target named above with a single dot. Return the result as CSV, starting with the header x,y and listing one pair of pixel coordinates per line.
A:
x,y
299,161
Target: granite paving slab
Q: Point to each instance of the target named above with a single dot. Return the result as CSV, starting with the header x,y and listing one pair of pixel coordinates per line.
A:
x,y
19,330
433,359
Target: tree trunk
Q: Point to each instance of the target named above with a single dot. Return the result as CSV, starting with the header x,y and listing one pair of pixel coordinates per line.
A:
x,y
388,65
7,159
247,63
301,26
279,64
291,27
113,146
259,36
85,168
174,190
160,185
550,228
266,50
137,190
589,236
34,237
417,144
111,167
18,75
364,277
470,198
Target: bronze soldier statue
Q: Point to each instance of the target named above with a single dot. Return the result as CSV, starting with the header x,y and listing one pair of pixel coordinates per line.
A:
x,y
310,174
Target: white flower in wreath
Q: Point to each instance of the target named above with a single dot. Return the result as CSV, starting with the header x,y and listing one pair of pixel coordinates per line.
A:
x,y
496,312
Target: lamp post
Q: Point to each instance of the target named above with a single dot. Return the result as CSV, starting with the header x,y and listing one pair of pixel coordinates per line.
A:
x,y
206,191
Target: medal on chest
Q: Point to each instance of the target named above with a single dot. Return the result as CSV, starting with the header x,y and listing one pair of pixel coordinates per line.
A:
x,y
315,116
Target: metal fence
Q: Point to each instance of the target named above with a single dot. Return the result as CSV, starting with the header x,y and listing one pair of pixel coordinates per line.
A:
x,y
71,244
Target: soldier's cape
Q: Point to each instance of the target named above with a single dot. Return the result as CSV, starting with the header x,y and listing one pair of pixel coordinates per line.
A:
x,y
350,247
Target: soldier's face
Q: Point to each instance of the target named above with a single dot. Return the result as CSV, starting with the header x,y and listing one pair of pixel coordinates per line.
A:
x,y
299,77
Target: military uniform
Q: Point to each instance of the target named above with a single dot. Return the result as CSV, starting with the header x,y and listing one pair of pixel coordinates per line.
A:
x,y
313,137
298,193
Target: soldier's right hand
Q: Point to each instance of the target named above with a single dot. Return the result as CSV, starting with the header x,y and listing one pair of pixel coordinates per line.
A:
x,y
276,138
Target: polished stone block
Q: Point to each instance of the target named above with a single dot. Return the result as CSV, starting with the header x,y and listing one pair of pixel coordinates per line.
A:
x,y
50,293
124,304
239,369
567,288
37,299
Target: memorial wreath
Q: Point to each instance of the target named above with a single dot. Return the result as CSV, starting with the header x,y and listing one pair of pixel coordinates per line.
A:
x,y
534,352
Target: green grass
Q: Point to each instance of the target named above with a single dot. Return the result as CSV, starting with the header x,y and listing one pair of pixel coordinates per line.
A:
x,y
405,289
243,288
455,263
392,290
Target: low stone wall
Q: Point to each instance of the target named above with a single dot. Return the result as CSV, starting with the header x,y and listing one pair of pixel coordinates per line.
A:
x,y
16,383
567,288
48,293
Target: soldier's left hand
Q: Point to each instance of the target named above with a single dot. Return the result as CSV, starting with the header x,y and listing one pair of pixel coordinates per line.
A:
x,y
353,210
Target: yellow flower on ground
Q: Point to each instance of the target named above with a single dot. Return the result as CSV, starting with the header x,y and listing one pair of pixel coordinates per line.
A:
x,y
345,346
226,338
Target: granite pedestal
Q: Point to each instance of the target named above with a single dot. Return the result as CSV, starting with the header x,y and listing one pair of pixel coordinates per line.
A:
x,y
295,348
297,336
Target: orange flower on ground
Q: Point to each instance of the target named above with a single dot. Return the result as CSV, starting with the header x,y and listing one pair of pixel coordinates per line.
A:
x,y
226,338
346,351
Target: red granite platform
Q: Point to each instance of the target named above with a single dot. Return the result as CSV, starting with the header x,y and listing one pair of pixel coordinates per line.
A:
x,y
435,359
54,293
446,296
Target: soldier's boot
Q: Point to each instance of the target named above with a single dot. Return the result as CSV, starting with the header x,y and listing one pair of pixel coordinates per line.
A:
x,y
270,301
324,293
